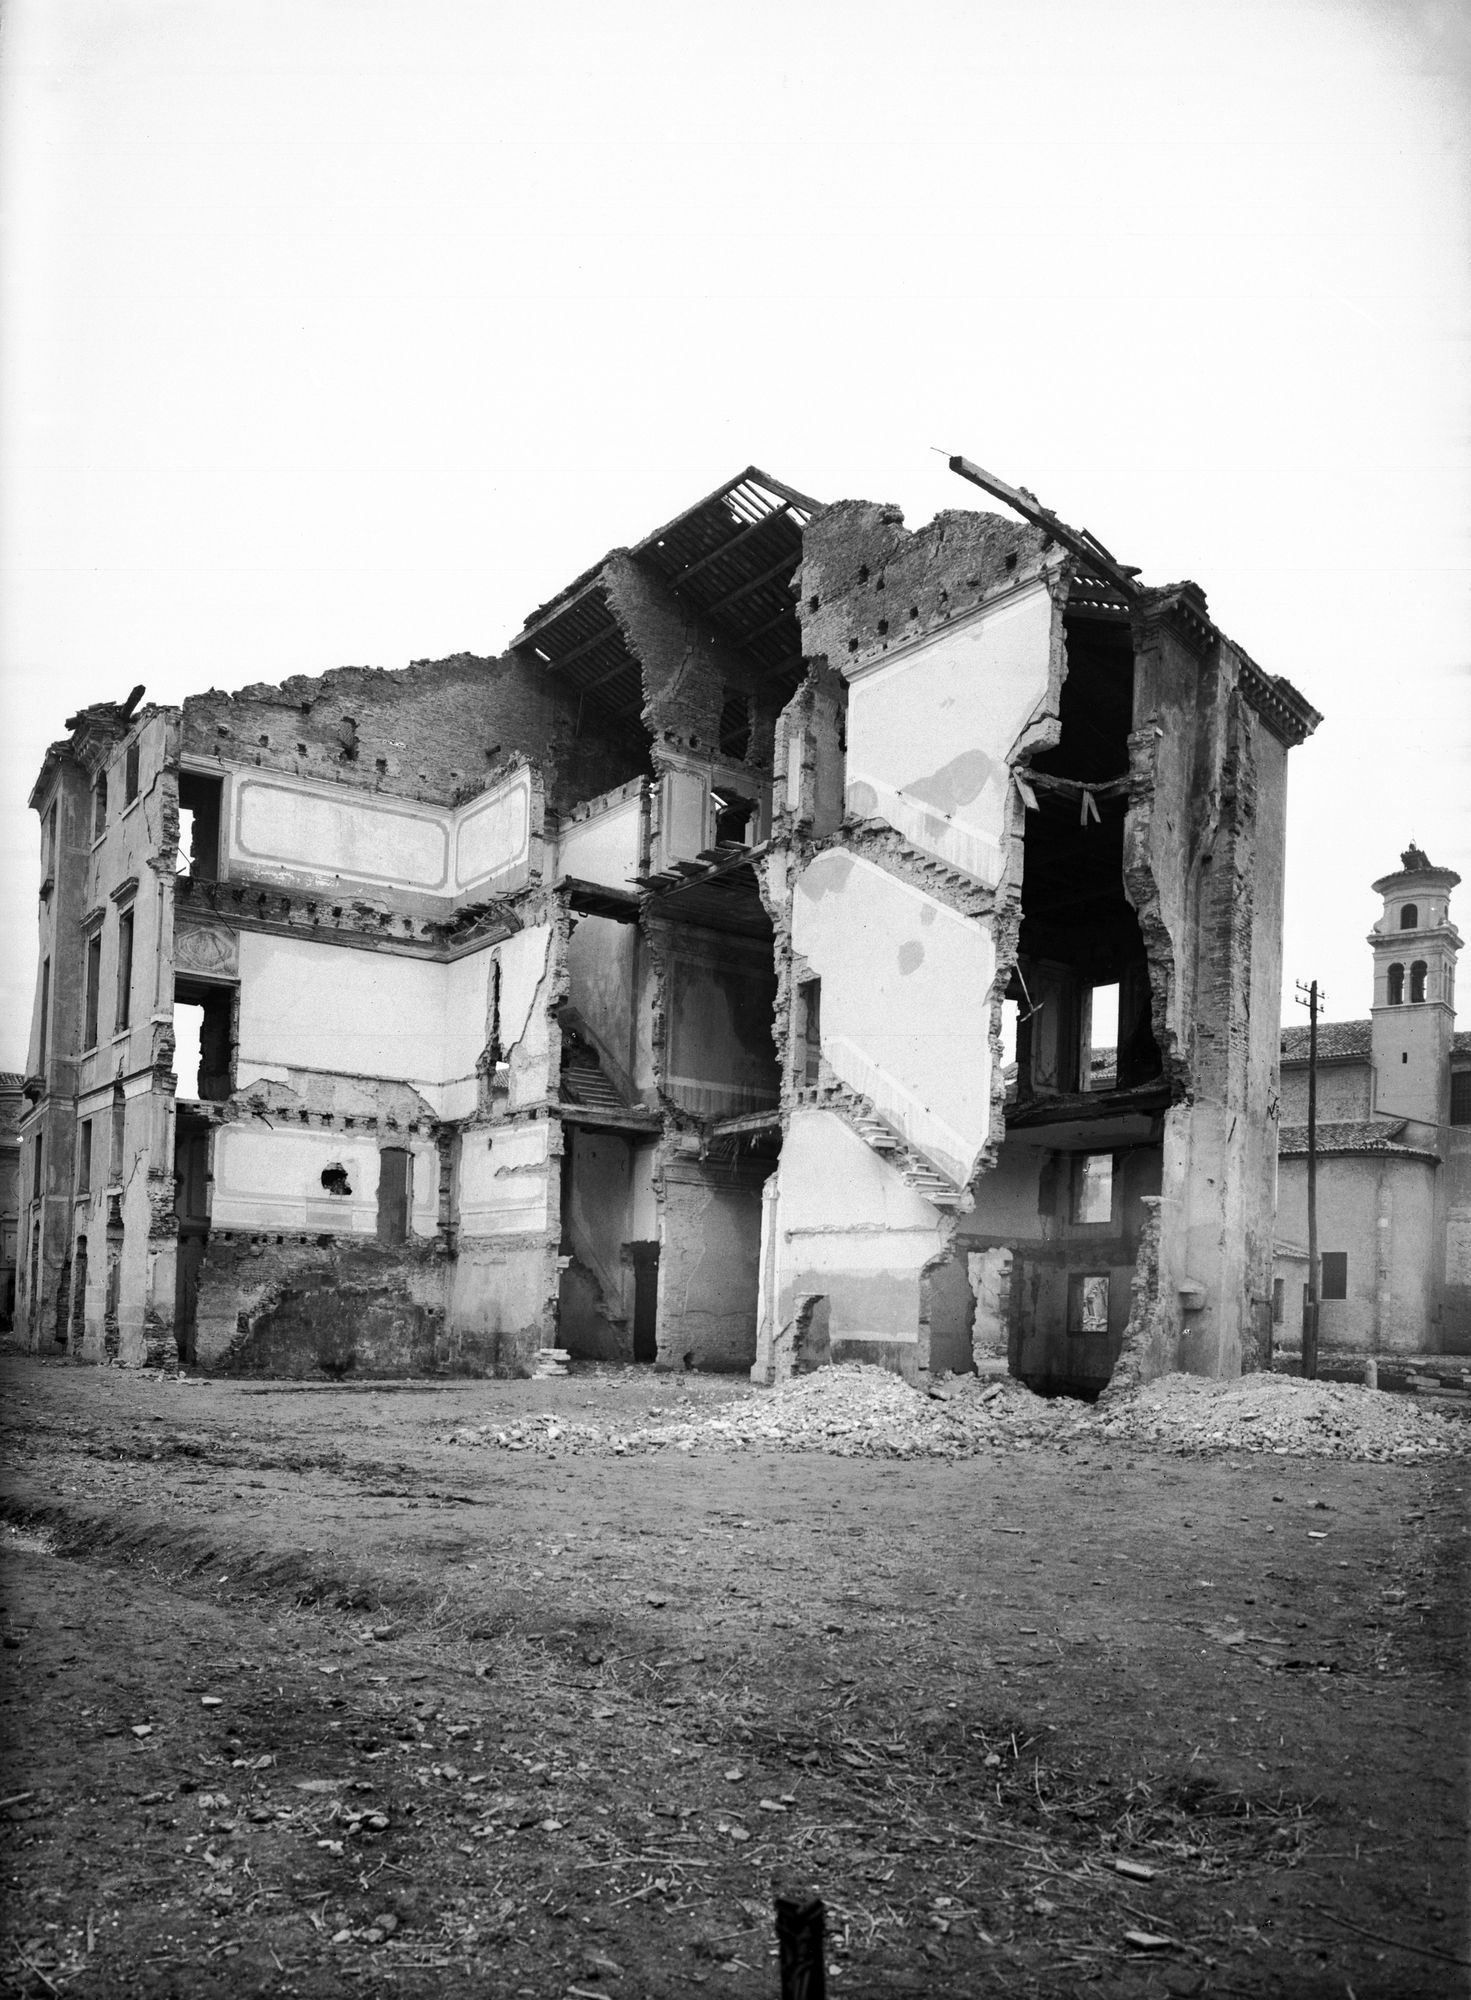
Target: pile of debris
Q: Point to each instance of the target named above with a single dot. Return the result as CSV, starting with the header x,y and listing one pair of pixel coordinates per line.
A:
x,y
853,1411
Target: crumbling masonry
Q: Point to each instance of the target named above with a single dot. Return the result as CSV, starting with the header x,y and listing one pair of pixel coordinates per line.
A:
x,y
717,979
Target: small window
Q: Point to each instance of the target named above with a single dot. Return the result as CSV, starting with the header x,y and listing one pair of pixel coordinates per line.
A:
x,y
99,806
130,775
809,997
735,726
1396,986
84,1157
1279,1301
125,969
1417,982
1409,917
1461,1097
1335,1275
93,982
1092,1187
1088,1302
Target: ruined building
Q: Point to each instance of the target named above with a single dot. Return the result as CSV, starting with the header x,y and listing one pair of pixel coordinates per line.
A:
x,y
1393,1141
721,977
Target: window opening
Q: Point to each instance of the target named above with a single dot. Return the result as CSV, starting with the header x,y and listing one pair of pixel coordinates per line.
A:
x,y
203,1040
733,818
1417,982
1279,1301
200,806
1092,1187
93,983
1409,917
1334,1283
1098,1068
334,1179
45,1008
48,859
1088,1302
117,1135
84,1157
735,725
125,968
1396,986
809,993
99,806
130,774
1461,1097
395,1175
37,1169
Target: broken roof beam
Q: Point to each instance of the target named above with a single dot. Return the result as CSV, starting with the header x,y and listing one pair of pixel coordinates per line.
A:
x,y
1078,542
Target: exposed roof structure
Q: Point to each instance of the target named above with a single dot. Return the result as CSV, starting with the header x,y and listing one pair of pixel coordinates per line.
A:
x,y
1353,1136
1338,1041
730,557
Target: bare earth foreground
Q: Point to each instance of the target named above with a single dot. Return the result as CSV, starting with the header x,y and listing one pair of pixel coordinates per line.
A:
x,y
334,1692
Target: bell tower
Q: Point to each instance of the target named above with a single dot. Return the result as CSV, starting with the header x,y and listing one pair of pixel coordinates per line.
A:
x,y
1415,945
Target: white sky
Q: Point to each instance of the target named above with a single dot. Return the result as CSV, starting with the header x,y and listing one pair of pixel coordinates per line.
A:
x,y
347,331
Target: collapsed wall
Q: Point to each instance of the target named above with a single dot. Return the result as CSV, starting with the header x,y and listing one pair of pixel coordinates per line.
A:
x,y
1026,880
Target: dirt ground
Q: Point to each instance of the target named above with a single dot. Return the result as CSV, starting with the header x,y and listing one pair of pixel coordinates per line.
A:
x,y
301,1699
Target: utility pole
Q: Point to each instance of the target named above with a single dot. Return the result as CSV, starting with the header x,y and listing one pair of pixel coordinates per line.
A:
x,y
1310,997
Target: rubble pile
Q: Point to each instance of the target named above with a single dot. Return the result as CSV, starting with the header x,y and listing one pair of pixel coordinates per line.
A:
x,y
856,1411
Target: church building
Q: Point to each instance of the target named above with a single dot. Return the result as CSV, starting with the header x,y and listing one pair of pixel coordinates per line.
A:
x,y
1393,1141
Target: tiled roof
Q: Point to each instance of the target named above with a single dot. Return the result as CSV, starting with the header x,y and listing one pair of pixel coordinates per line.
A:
x,y
1338,1041
11,1079
1352,1136
1461,1042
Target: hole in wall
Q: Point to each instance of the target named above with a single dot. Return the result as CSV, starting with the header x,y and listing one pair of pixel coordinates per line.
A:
x,y
334,1179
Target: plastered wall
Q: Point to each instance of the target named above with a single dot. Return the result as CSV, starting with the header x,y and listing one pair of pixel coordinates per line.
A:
x,y
905,1001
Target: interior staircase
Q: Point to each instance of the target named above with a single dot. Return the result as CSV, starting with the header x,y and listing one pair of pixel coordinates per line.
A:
x,y
913,1167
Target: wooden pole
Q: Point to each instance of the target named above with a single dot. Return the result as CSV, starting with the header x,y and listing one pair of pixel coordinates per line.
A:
x,y
802,1948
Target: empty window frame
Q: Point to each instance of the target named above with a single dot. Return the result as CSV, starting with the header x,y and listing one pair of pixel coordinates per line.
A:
x,y
84,1157
1461,1097
92,981
1098,1056
45,1010
118,1135
734,818
125,968
1409,917
130,774
37,1169
99,806
1092,1188
1418,973
809,1001
199,825
1396,986
204,1040
1334,1281
48,855
1087,1302
1279,1301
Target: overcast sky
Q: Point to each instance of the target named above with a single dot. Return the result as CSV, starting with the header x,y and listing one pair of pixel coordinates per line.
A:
x,y
347,331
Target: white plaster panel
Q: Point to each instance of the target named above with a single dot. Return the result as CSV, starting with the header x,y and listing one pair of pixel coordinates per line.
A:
x,y
321,1006
271,1179
503,1180
466,989
604,847
929,733
523,967
493,836
905,990
301,830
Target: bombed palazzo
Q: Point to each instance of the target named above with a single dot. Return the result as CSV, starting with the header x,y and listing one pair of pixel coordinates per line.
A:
x,y
809,940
